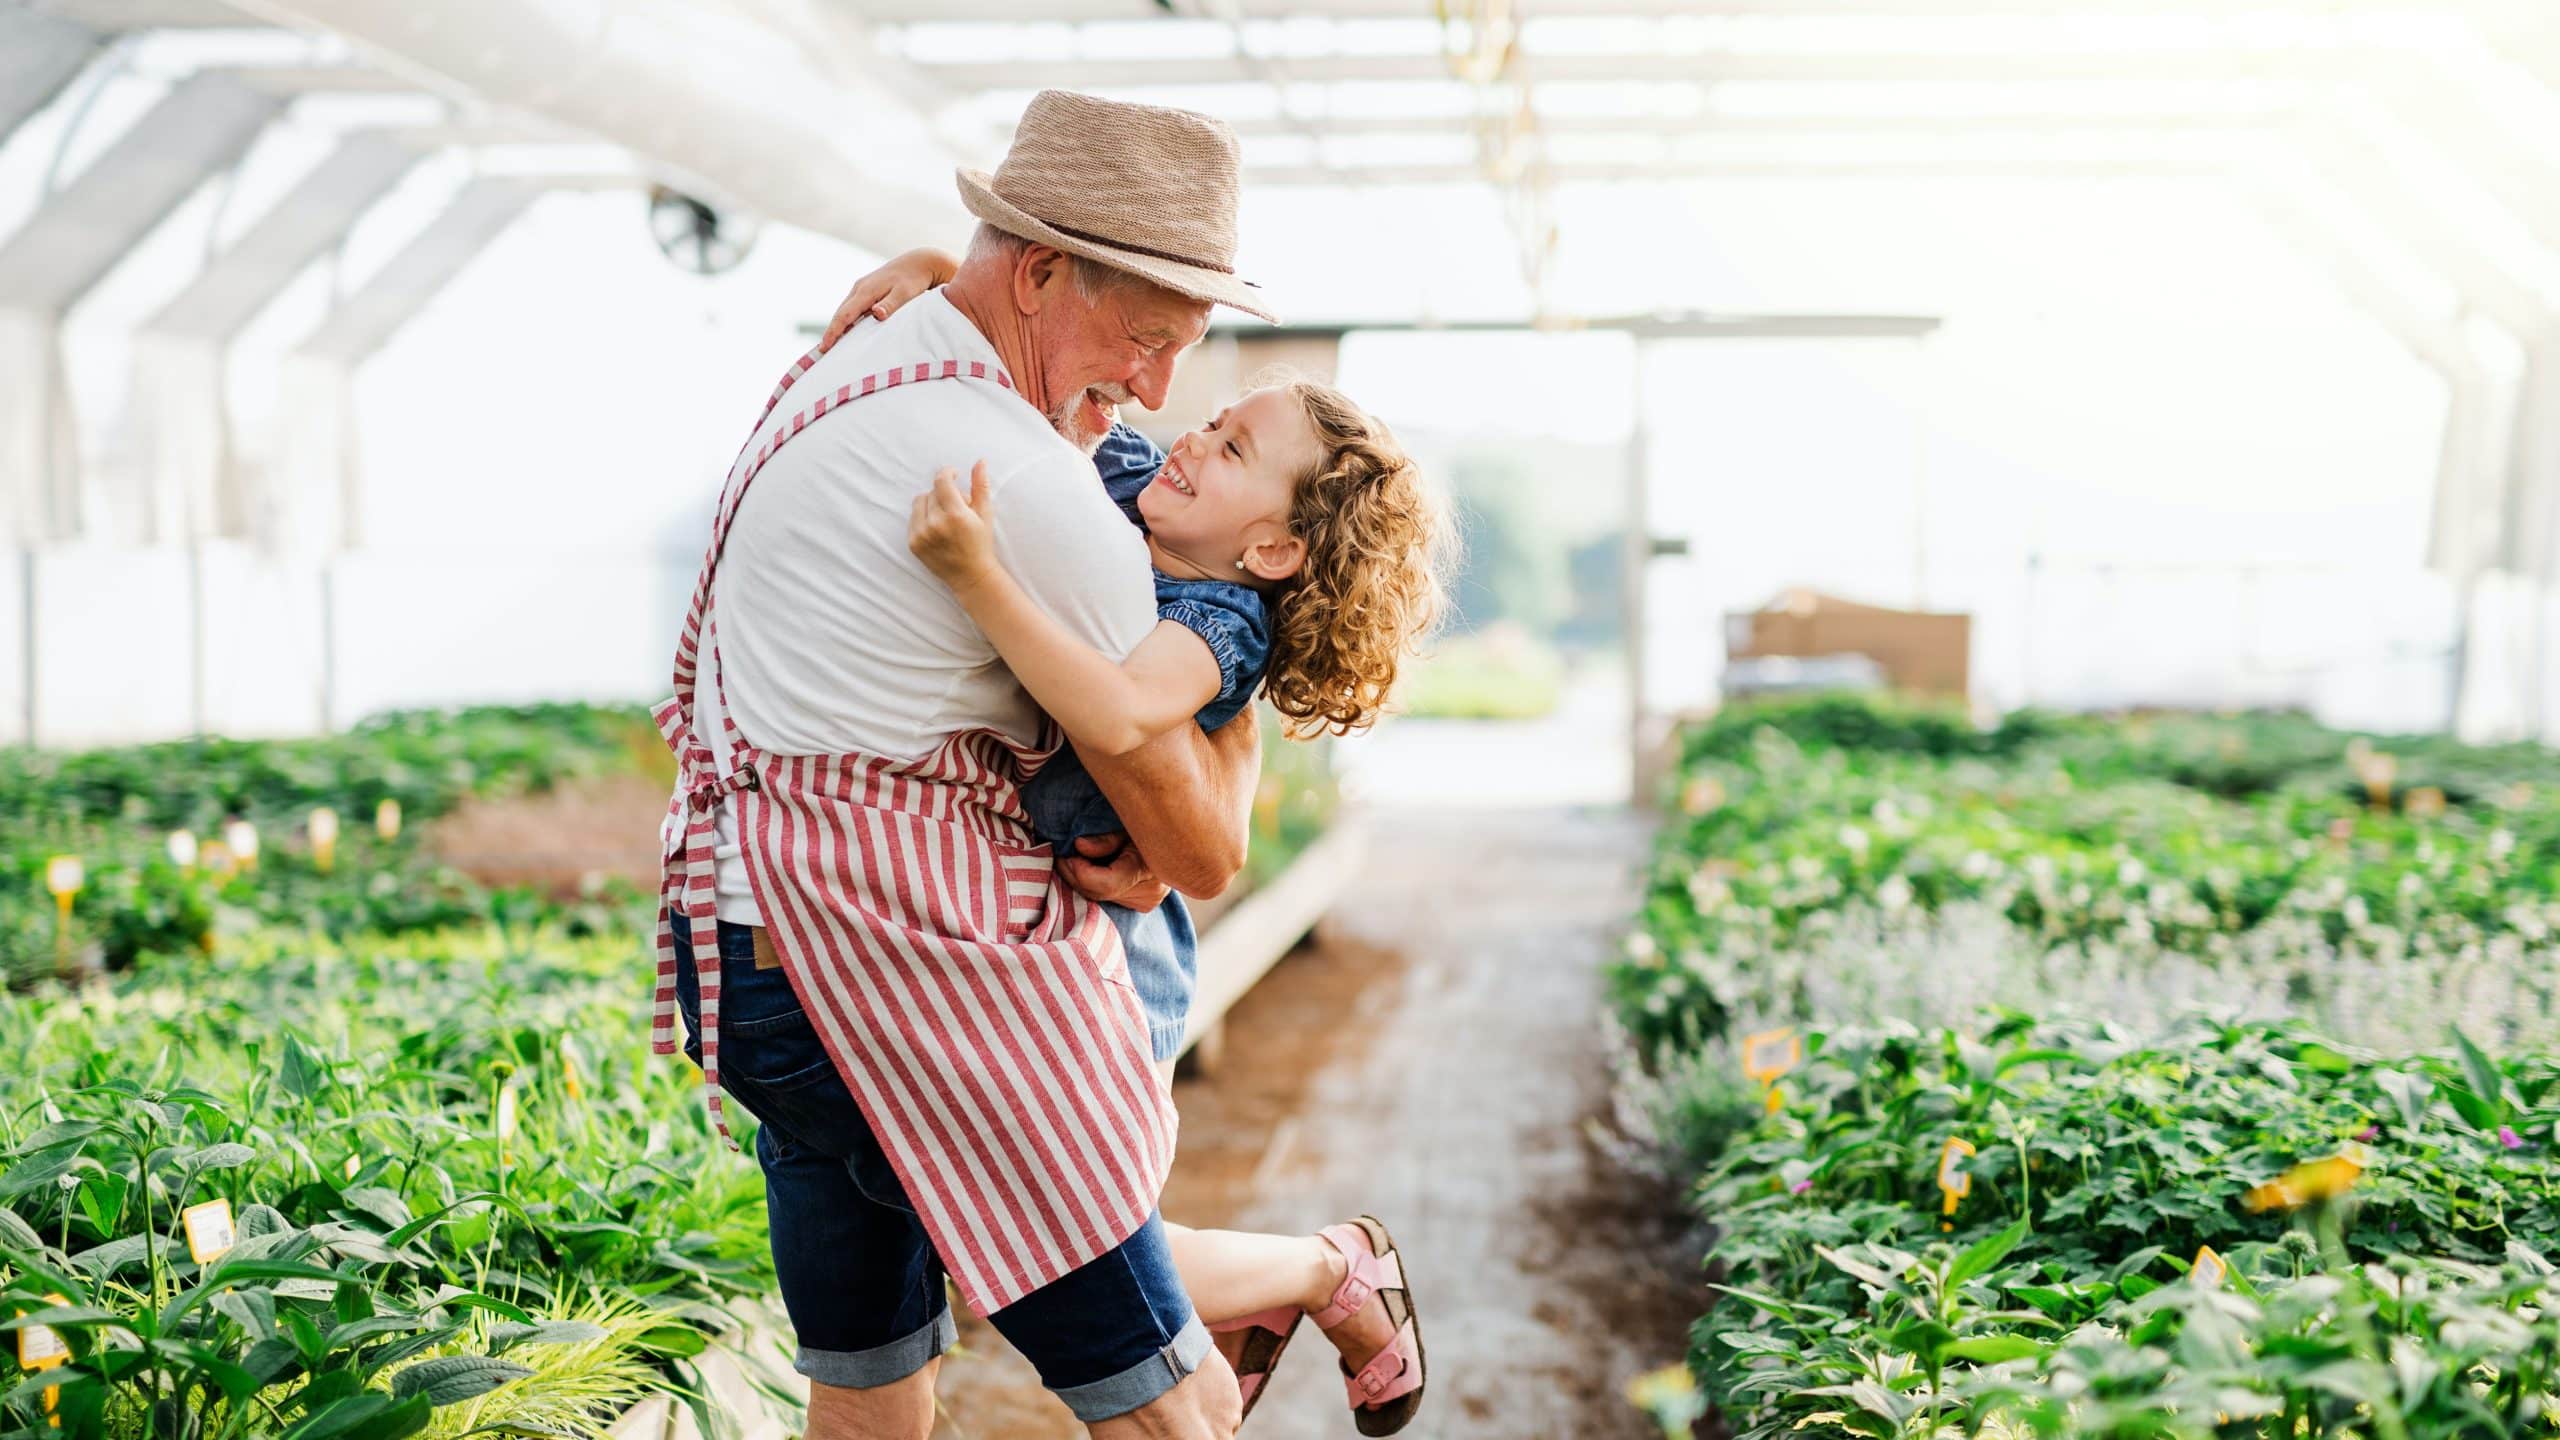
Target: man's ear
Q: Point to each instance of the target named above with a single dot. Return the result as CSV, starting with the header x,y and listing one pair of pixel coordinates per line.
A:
x,y
1037,273
1275,560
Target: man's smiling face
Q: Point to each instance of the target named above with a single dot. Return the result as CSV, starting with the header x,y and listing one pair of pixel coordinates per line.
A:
x,y
1101,352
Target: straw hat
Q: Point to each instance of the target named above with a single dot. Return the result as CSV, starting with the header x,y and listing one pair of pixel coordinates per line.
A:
x,y
1135,187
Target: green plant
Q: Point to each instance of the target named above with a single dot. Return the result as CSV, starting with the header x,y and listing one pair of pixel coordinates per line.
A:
x,y
386,1223
1501,673
2115,959
2099,1164
1293,805
117,809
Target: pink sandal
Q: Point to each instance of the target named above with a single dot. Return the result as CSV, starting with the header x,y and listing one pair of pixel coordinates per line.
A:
x,y
1266,1335
1386,1393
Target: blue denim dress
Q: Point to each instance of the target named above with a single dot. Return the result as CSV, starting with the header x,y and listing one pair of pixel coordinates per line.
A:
x,y
1064,803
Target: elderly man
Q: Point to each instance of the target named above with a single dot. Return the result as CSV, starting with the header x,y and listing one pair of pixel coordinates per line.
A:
x,y
931,1023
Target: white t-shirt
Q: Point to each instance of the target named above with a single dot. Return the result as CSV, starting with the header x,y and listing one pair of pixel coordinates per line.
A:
x,y
833,639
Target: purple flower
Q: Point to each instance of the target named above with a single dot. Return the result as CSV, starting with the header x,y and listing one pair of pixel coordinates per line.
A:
x,y
1800,1186
2510,1138
2369,1134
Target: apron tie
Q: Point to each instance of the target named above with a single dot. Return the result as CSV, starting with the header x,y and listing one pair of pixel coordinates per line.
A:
x,y
688,887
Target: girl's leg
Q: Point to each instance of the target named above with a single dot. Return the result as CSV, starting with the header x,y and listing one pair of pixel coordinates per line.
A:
x,y
1231,1274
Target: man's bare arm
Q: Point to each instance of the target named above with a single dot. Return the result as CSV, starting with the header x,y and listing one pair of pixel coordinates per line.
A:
x,y
1187,800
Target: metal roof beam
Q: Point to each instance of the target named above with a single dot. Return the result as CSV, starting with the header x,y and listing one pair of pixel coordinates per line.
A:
x,y
120,15
2044,163
2235,63
292,81
2427,100
1711,124
769,108
78,234
1052,11
39,54
297,230
367,317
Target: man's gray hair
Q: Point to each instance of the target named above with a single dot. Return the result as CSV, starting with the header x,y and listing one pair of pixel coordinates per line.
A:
x,y
1093,279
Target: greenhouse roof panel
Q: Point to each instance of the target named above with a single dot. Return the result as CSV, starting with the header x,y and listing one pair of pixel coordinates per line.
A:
x,y
365,319
150,14
77,235
301,227
39,54
1195,11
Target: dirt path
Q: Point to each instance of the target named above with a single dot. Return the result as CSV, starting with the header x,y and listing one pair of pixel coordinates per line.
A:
x,y
602,827
1434,1060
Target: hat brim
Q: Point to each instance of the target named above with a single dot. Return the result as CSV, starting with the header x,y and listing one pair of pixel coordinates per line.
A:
x,y
977,191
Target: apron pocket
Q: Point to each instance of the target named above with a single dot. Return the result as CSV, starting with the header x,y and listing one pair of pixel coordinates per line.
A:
x,y
1028,875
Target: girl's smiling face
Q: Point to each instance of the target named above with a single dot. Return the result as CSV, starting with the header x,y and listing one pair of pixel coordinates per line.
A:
x,y
1225,491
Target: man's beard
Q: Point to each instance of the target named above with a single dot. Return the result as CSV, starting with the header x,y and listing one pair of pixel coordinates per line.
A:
x,y
1068,417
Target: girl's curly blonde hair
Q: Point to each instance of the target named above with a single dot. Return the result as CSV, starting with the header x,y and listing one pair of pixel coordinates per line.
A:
x,y
1369,590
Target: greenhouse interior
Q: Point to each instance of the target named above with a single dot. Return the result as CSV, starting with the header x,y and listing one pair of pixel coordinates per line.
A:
x,y
1878,763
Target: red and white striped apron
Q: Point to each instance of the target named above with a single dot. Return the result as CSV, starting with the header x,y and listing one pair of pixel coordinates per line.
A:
x,y
977,1007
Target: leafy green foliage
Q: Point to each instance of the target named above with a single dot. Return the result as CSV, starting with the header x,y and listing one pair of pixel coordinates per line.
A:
x,y
394,1256
115,808
1293,805
2398,1287
1803,820
2101,1165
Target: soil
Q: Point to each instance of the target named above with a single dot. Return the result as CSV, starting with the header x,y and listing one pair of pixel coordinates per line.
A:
x,y
1435,1059
555,842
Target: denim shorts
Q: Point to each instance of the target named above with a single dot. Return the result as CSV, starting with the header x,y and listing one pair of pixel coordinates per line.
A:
x,y
859,1277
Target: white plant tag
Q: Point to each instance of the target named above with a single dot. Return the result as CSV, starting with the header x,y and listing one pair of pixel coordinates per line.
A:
x,y
209,1231
39,1348
1770,1054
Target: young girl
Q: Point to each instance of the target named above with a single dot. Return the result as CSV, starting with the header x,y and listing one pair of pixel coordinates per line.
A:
x,y
1296,553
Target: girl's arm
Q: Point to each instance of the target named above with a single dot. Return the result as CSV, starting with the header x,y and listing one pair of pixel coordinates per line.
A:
x,y
1107,707
885,291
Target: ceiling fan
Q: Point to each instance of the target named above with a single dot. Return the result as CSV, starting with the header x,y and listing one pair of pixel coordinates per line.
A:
x,y
694,235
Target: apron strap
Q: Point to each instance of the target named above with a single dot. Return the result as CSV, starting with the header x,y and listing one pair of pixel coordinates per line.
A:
x,y
687,885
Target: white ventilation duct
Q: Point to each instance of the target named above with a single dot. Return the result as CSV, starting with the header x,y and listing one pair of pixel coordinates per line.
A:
x,y
776,108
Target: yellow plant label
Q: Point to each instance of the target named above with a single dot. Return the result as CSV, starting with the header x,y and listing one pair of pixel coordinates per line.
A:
x,y
40,1347
1770,1054
210,1235
352,1167
2209,1270
2311,1180
506,1114
1952,1176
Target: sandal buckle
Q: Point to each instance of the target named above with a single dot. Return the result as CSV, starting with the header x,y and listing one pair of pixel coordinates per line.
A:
x,y
1355,1294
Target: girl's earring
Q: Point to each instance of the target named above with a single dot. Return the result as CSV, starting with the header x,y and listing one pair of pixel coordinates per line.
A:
x,y
1239,564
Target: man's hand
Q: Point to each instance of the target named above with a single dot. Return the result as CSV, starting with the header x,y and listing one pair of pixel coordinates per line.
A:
x,y
1109,869
1187,798
884,291
949,531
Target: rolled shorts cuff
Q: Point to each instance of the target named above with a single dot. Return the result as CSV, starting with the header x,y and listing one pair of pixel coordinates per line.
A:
x,y
881,1364
1142,1383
